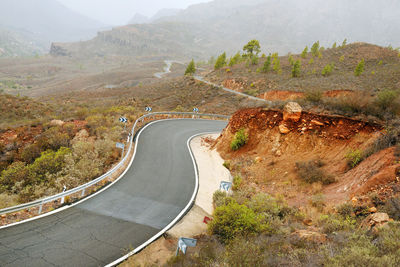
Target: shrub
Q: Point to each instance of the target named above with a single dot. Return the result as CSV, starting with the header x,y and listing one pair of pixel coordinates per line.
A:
x,y
241,138
341,59
387,100
392,207
267,64
318,201
30,153
360,68
220,198
311,172
315,49
235,59
296,69
354,157
304,53
332,223
345,209
237,181
221,61
264,203
191,68
234,220
254,59
16,172
327,70
227,164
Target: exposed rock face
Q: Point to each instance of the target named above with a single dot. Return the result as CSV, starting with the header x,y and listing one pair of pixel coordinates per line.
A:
x,y
292,111
58,50
57,123
312,236
375,220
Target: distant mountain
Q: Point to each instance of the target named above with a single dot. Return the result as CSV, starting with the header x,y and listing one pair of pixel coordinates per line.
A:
x,y
15,43
46,21
281,26
139,19
166,12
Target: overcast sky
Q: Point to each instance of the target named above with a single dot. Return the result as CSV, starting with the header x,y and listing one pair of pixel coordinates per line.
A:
x,y
119,12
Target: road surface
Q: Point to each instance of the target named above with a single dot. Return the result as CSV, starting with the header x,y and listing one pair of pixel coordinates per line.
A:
x,y
157,187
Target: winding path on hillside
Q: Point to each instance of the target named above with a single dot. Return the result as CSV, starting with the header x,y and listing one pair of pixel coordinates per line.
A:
x,y
157,187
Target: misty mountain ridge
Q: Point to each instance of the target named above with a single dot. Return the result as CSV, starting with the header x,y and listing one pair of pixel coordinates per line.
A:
x,y
283,26
45,21
142,19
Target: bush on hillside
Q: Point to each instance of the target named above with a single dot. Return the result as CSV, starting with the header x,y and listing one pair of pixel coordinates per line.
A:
x,y
311,172
240,139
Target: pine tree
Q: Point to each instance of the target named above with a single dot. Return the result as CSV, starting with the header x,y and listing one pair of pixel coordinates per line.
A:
x,y
360,68
327,69
277,65
315,49
344,43
291,61
221,61
304,53
235,59
267,64
191,68
252,47
334,45
296,69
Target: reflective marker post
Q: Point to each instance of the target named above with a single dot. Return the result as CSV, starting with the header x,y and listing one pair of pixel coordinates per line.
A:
x,y
184,242
124,121
121,146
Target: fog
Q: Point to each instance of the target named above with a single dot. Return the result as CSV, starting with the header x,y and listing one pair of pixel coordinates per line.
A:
x,y
119,12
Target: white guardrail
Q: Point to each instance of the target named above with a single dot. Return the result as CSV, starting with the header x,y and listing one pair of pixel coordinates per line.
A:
x,y
39,203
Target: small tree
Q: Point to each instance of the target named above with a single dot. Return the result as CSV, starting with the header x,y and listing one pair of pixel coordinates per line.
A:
x,y
304,53
360,68
221,61
296,69
291,60
267,64
315,49
334,45
252,47
235,59
191,68
276,63
328,69
344,43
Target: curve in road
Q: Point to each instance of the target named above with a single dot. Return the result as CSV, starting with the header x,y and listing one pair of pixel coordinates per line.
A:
x,y
156,188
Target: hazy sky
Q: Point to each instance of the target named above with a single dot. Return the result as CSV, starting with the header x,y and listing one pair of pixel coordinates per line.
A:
x,y
119,12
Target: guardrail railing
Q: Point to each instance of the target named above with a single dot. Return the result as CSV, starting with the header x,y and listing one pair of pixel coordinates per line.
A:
x,y
108,175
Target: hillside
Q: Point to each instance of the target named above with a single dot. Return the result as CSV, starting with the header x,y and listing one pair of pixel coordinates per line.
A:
x,y
14,43
209,28
43,21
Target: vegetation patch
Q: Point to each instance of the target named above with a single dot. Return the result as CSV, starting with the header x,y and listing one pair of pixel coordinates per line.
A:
x,y
240,139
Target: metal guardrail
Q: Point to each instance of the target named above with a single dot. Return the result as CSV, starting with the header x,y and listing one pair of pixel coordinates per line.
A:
x,y
108,174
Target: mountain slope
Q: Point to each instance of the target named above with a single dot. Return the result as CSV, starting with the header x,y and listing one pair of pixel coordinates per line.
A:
x,y
46,21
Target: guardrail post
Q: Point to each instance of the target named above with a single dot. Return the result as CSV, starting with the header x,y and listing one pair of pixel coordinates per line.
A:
x,y
40,208
83,192
62,200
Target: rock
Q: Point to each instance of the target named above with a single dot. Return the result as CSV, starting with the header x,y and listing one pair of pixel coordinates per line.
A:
x,y
372,210
292,111
81,135
312,236
258,160
375,220
354,200
308,222
283,129
317,123
57,123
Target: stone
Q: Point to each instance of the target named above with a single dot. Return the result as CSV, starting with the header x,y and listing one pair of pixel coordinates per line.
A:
x,y
354,200
292,111
372,210
375,220
57,123
258,159
283,129
312,236
317,123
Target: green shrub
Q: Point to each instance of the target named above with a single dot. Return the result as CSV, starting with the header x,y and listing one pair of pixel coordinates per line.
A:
x,y
234,220
227,164
332,223
345,209
241,138
235,59
191,68
262,203
267,64
354,157
318,201
313,95
360,68
220,198
311,172
296,69
304,53
387,100
392,207
327,70
315,49
237,181
16,172
221,61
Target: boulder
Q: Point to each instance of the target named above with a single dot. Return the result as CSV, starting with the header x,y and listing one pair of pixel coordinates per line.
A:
x,y
283,129
375,220
308,235
292,111
57,123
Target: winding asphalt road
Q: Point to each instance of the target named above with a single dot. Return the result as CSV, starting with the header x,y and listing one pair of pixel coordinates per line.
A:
x,y
157,187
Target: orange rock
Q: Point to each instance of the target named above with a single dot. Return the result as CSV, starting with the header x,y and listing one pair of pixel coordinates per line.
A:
x,y
317,123
372,210
283,129
292,111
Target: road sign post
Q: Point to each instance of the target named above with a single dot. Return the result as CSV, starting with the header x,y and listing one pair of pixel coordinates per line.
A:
x,y
183,243
121,146
124,121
